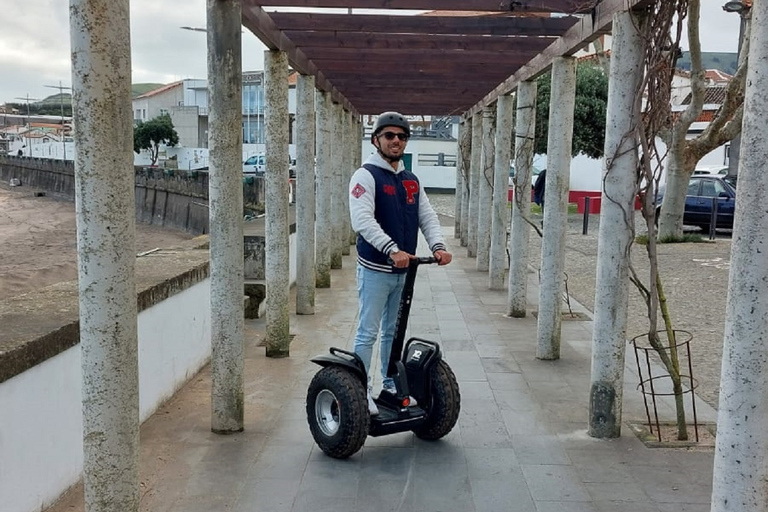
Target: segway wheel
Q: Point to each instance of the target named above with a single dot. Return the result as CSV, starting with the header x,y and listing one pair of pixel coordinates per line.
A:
x,y
337,412
444,406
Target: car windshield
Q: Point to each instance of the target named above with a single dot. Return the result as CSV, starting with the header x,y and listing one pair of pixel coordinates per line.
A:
x,y
731,180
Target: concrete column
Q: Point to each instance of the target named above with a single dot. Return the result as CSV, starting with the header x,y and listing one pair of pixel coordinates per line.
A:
x,y
305,195
339,189
609,335
323,222
485,209
466,156
556,206
500,219
525,131
346,175
225,143
355,152
616,229
474,183
740,472
460,148
104,189
277,263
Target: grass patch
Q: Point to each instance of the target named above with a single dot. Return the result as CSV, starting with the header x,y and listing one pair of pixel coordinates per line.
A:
x,y
686,238
572,208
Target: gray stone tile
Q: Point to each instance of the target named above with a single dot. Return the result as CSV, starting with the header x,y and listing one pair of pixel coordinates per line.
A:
x,y
280,462
331,478
683,507
489,434
387,463
625,506
310,502
613,491
201,503
510,493
492,463
376,495
525,422
554,483
564,506
476,391
539,449
507,381
444,488
267,495
499,365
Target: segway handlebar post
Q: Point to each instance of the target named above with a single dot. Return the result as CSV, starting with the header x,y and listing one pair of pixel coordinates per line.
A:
x,y
405,310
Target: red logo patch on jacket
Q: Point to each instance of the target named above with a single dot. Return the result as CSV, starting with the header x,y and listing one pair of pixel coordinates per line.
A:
x,y
389,190
411,189
358,190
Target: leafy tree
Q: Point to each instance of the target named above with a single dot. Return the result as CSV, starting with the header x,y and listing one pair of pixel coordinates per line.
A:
x,y
154,132
589,111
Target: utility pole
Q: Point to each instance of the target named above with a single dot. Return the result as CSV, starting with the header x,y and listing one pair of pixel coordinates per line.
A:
x,y
743,9
29,127
61,103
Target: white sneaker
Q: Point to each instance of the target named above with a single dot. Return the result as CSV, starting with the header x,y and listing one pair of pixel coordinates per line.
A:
x,y
372,405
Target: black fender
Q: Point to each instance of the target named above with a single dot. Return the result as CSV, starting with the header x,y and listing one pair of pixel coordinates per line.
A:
x,y
345,359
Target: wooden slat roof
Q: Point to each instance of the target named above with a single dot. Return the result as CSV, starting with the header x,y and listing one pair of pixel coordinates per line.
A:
x,y
451,60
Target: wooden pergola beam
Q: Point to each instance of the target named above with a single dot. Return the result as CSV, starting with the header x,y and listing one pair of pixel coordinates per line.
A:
x,y
529,26
518,6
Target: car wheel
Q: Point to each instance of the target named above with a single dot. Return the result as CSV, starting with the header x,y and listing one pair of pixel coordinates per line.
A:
x,y
337,412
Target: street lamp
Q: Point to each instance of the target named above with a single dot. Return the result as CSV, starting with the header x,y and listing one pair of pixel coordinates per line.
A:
x,y
29,126
61,104
742,8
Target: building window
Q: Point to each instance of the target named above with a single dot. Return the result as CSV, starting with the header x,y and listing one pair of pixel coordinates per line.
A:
x,y
163,111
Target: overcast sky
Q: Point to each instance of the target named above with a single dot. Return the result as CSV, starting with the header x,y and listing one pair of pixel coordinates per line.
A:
x,y
34,43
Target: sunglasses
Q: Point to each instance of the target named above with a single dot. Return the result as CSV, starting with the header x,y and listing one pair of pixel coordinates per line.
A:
x,y
392,135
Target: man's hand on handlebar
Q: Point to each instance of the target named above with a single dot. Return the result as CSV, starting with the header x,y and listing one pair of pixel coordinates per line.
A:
x,y
443,257
401,259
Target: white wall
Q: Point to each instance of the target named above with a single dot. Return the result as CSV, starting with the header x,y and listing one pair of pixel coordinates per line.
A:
x,y
41,450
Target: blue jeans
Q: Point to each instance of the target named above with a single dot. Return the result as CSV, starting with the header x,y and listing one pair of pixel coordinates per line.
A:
x,y
379,298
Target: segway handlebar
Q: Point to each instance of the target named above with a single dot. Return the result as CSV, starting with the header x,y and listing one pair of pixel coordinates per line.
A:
x,y
419,260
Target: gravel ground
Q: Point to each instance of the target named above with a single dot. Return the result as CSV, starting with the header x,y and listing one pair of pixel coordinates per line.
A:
x,y
695,277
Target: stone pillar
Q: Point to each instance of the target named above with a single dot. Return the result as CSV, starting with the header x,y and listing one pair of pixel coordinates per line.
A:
x,y
466,156
485,209
347,127
355,152
525,131
104,189
277,255
500,219
339,189
474,183
740,472
323,222
305,195
556,206
225,143
609,334
459,180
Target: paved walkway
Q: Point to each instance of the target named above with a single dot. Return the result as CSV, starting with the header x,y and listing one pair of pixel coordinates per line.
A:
x,y
520,444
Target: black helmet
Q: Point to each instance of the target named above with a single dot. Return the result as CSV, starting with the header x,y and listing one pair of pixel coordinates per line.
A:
x,y
391,119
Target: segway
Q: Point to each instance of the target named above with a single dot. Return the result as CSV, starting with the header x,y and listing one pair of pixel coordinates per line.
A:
x,y
337,403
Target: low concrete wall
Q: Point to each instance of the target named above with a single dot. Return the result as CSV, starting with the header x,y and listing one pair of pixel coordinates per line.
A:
x,y
164,197
40,372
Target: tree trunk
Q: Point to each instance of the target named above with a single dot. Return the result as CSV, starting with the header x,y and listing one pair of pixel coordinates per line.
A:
x,y
673,205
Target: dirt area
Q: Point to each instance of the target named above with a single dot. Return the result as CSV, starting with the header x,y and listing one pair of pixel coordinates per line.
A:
x,y
38,240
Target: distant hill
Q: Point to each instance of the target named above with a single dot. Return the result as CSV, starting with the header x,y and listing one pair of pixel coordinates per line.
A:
x,y
55,100
725,62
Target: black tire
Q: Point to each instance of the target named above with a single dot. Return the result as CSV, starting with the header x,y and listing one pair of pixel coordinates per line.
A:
x,y
445,404
337,412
